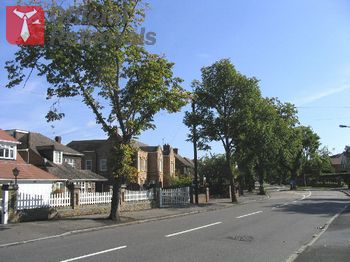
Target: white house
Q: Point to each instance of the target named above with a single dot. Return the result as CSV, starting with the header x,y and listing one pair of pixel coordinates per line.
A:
x,y
31,179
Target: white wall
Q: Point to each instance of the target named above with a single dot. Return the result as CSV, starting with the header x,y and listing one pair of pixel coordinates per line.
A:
x,y
38,188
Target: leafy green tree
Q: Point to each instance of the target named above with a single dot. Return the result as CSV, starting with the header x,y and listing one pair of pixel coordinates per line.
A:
x,y
104,62
224,98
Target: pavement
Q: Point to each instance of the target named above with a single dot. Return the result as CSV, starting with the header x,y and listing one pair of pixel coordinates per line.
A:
x,y
19,233
334,244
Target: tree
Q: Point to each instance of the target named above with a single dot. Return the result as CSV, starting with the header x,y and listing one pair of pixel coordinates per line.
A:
x,y
260,138
223,100
214,170
103,61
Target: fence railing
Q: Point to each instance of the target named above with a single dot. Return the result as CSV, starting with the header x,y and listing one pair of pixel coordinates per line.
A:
x,y
138,195
174,197
27,201
60,199
95,198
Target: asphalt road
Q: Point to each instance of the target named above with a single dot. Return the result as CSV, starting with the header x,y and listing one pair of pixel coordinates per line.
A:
x,y
267,230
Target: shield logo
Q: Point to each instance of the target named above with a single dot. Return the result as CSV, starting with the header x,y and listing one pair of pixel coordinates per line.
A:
x,y
25,25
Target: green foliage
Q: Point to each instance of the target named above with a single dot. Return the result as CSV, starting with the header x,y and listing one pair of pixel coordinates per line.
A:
x,y
179,181
117,78
223,101
214,170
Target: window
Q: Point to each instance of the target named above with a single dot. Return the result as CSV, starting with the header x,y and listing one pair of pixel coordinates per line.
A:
x,y
172,168
70,161
57,157
7,151
160,165
142,164
103,165
88,164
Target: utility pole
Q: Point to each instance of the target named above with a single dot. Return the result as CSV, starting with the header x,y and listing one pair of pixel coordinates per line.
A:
x,y
194,136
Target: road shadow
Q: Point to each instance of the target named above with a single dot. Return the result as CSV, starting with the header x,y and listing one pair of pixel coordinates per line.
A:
x,y
324,207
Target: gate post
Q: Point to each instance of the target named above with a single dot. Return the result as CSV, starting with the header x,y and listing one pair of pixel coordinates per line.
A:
x,y
160,198
5,204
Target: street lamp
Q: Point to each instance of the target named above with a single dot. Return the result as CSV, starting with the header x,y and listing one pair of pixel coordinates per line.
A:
x,y
344,126
15,172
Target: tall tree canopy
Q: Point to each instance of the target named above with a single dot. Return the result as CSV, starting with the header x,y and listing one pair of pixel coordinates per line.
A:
x,y
224,98
102,59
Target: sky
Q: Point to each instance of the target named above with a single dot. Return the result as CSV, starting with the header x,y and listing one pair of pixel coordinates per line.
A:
x,y
299,50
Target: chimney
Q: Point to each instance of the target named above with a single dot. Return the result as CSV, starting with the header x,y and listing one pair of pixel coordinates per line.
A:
x,y
166,149
58,139
176,150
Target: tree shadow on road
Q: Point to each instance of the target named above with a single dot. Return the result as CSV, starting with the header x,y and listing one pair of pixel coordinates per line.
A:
x,y
324,207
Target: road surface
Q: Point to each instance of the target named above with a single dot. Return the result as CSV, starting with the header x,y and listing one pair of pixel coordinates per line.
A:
x,y
267,230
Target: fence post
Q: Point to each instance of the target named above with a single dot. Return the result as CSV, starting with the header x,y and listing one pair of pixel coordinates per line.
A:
x,y
207,194
122,194
191,194
159,197
5,205
74,196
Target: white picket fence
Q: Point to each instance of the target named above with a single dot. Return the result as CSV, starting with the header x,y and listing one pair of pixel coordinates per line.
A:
x,y
138,195
60,200
174,197
26,201
95,198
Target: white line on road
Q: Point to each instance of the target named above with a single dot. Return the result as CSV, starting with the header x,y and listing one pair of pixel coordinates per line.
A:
x,y
250,214
306,196
192,229
94,254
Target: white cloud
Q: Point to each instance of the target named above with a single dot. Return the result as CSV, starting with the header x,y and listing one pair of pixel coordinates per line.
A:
x,y
321,94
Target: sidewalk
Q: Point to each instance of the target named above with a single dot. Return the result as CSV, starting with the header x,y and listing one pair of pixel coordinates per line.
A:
x,y
29,231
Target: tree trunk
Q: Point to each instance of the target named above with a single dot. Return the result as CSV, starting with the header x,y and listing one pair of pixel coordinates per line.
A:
x,y
261,181
115,204
232,181
293,185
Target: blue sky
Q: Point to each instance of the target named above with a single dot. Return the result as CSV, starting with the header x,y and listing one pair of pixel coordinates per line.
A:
x,y
300,50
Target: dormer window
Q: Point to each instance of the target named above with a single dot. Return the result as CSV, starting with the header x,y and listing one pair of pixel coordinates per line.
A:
x,y
8,151
57,157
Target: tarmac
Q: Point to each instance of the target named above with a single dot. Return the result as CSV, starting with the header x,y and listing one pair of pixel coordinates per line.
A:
x,y
20,233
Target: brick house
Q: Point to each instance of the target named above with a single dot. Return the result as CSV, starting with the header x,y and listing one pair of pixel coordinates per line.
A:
x,y
55,158
183,166
97,154
168,164
340,162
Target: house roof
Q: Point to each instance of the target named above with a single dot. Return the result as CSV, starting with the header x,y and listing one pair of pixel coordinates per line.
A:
x,y
86,145
337,159
7,138
38,141
91,145
67,172
183,161
26,171
189,161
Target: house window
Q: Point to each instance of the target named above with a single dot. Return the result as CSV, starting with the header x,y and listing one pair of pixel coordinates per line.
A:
x,y
57,157
142,164
103,165
7,152
70,161
160,165
172,167
88,164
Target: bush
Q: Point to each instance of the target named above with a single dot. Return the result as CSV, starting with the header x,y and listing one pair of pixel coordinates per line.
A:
x,y
180,181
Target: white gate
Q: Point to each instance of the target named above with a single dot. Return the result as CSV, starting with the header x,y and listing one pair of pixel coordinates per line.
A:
x,y
174,197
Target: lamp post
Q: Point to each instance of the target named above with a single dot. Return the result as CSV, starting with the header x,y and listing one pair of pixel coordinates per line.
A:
x,y
344,126
15,172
